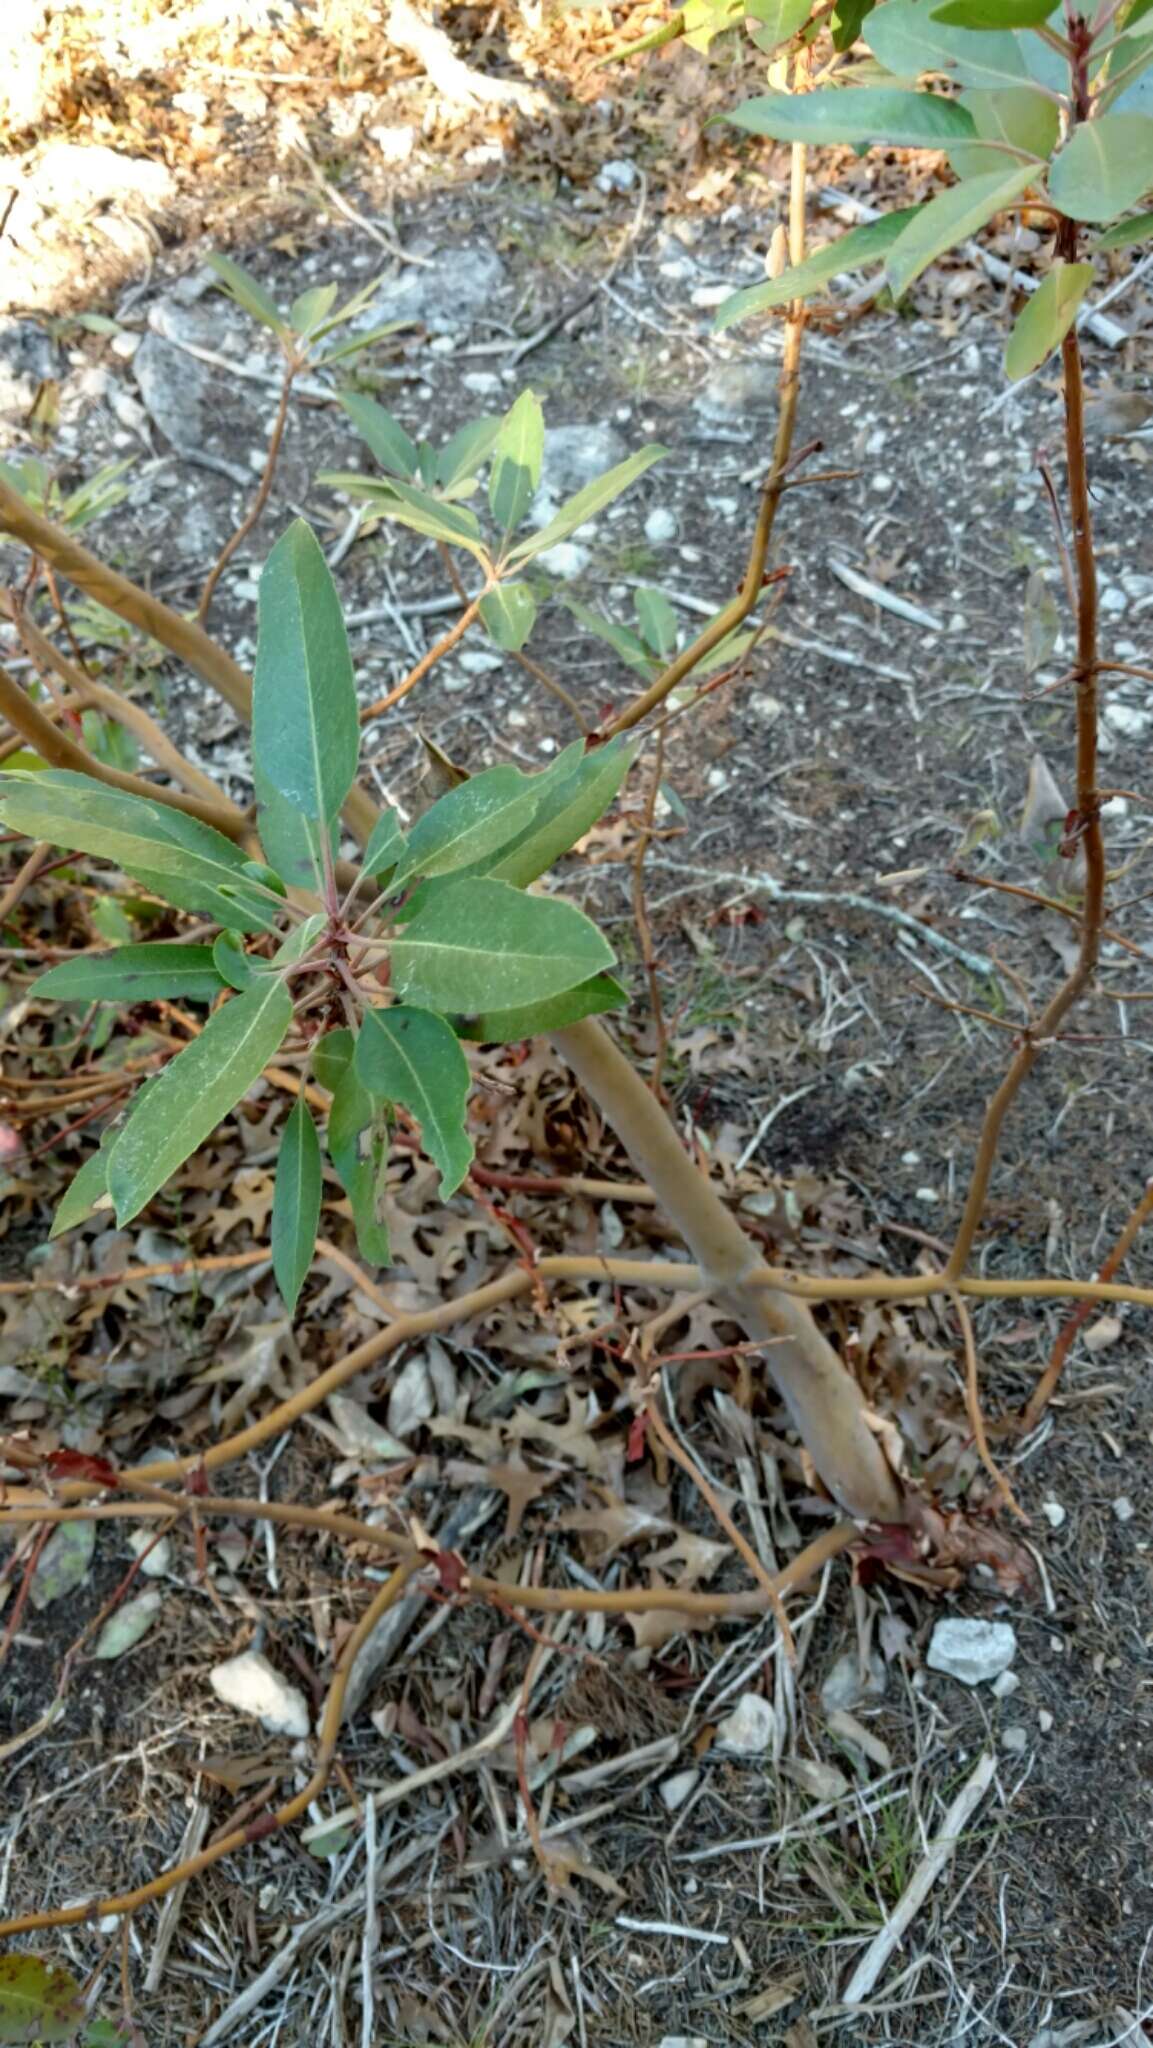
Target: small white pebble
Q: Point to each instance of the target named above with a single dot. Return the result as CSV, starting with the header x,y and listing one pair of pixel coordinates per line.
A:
x,y
1053,1512
1015,1740
910,1159
1045,1721
660,526
882,481
1123,1508
928,1195
1006,1684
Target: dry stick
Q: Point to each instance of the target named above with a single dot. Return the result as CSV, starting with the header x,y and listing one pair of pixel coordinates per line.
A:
x,y
23,877
1046,1386
1088,798
973,1406
293,365
155,742
129,1902
742,604
641,915
60,751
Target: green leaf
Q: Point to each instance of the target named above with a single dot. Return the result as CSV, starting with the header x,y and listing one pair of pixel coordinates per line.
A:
x,y
482,945
39,2000
385,846
356,343
186,862
248,293
851,251
657,621
949,219
80,1197
126,1627
133,974
385,436
467,450
994,13
1104,167
778,21
411,1057
1018,118
231,962
506,1027
908,41
311,308
509,614
352,1120
305,723
629,645
517,460
862,114
483,814
175,1113
415,508
291,842
571,796
63,1563
589,501
1042,325
1126,232
296,1204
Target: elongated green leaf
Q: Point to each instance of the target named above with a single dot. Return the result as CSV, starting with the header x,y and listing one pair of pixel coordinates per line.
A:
x,y
1137,228
1106,166
411,1057
506,1027
483,945
311,308
467,451
355,1142
231,962
305,724
387,439
296,1204
291,841
181,859
949,219
1129,88
657,621
39,2000
621,639
908,41
82,1194
851,251
994,13
248,292
175,1113
864,114
588,502
516,463
133,974
509,614
484,813
777,20
356,343
571,796
415,508
1016,118
1042,325
385,846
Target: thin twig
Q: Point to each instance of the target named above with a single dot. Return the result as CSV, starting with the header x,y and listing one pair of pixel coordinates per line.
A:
x,y
1046,1386
293,364
973,1405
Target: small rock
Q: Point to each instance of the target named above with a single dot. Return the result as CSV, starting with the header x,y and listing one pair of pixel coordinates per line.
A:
x,y
749,1729
675,1790
482,383
1015,1740
27,357
1102,1333
619,174
733,390
254,1686
1002,1688
155,1561
573,456
1123,1508
1127,719
567,560
660,526
1054,1513
446,297
820,1781
1045,1721
764,707
970,1649
682,2041
845,1686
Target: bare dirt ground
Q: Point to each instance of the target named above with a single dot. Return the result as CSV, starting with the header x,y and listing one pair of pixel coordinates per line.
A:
x,y
717,1898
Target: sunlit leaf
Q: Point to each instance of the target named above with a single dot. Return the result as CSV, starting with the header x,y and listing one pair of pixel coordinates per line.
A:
x,y
516,462
994,13
311,308
949,219
907,39
509,614
1137,228
1017,118
411,1057
40,2001
174,1114
1043,323
482,945
589,501
1106,166
571,796
485,813
850,251
133,974
467,451
864,114
296,1203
